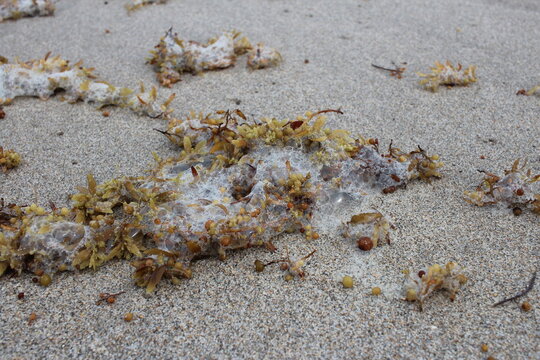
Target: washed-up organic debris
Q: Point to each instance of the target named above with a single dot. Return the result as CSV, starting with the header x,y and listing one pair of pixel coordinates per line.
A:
x,y
294,267
108,298
422,284
43,77
16,9
531,91
262,56
518,188
137,4
396,72
234,184
174,56
9,159
367,229
448,75
523,293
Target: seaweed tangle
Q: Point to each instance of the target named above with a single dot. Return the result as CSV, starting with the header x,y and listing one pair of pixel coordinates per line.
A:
x,y
43,77
172,56
234,184
16,9
518,189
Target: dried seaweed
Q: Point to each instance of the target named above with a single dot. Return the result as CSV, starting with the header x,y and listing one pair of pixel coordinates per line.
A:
x,y
16,9
396,72
518,188
234,184
43,77
448,75
372,225
174,56
294,267
424,283
9,159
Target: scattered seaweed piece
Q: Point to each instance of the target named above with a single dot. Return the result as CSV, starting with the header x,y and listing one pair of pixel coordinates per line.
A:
x,y
174,56
367,229
33,317
137,4
108,298
261,57
529,92
2,113
518,188
423,283
43,77
521,294
293,266
234,184
448,75
16,9
9,159
397,72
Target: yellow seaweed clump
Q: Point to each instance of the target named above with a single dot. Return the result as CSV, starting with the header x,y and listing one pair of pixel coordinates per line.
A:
x,y
234,184
448,75
426,281
9,159
518,188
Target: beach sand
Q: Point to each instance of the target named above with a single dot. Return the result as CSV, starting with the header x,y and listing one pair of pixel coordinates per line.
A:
x,y
227,310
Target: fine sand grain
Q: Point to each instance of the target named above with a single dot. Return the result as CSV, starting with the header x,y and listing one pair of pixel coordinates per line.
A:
x,y
228,310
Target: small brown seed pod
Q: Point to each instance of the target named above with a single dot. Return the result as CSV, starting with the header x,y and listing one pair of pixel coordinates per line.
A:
x,y
259,266
365,243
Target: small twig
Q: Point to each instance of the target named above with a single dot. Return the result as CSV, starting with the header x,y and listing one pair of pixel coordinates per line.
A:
x,y
309,255
382,68
166,133
397,71
327,111
523,293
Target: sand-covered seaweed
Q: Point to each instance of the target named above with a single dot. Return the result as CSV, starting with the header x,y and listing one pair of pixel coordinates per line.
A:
x,y
519,189
423,283
16,9
234,184
44,77
448,75
173,56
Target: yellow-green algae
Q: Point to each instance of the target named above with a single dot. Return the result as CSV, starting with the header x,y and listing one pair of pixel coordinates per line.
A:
x,y
234,184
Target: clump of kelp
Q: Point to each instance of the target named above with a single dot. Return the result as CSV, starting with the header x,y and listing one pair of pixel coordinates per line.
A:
x,y
234,184
422,284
